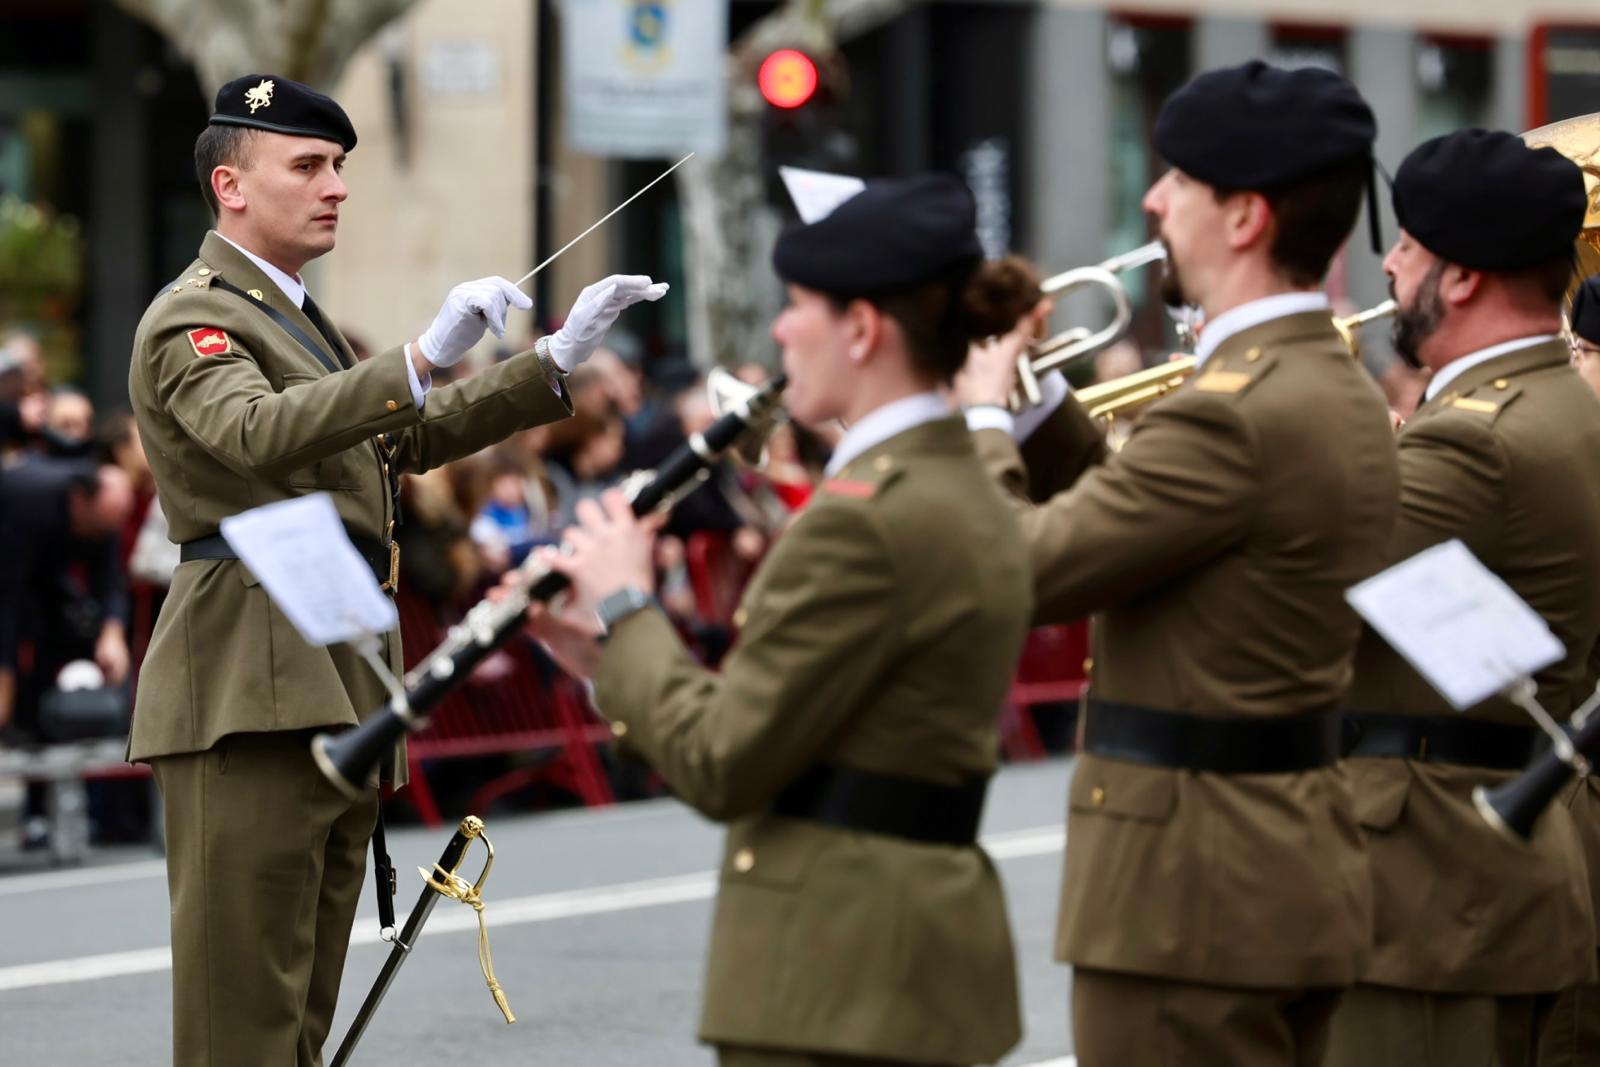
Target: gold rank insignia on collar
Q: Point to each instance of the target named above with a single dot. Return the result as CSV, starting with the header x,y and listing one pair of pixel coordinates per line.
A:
x,y
255,294
1467,403
260,96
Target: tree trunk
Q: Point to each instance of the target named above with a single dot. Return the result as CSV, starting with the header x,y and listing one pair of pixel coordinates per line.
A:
x,y
728,227
309,41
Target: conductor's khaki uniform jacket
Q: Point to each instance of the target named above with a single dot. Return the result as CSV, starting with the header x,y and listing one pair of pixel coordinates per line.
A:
x,y
1507,459
1216,548
878,636
235,413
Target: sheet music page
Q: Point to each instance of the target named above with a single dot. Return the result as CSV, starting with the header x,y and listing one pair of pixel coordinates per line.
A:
x,y
816,193
299,551
1456,623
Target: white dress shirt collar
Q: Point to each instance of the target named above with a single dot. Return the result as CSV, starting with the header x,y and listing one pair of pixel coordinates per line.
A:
x,y
877,426
292,287
1451,371
1237,320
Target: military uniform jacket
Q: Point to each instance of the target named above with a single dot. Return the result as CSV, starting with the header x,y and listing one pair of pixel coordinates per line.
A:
x,y
1216,548
879,635
1506,458
234,413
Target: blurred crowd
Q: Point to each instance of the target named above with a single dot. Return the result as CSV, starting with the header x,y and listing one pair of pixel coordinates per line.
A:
x,y
85,560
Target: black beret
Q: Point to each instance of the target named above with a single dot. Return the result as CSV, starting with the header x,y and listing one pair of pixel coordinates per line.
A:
x,y
1485,200
268,102
1586,310
1256,126
894,234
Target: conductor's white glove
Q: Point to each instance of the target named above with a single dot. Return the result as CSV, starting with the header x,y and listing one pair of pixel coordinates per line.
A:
x,y
596,309
469,308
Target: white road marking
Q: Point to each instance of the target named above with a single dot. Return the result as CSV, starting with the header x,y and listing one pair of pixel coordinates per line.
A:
x,y
543,907
81,876
1065,1061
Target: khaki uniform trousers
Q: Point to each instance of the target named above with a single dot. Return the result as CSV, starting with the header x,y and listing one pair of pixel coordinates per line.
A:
x,y
1377,1025
738,1056
1128,1020
265,861
1571,1034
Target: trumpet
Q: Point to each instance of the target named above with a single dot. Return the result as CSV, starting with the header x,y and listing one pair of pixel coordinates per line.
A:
x,y
1075,343
349,759
1112,403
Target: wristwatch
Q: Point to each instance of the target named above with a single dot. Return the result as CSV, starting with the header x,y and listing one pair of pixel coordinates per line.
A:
x,y
619,605
547,360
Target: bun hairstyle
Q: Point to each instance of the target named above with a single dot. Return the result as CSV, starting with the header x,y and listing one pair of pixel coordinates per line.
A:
x,y
939,321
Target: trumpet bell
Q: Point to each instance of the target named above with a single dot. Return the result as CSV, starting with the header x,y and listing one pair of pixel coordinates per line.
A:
x,y
727,392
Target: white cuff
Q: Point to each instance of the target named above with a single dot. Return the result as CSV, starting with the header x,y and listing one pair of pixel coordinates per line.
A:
x,y
991,417
1053,390
419,388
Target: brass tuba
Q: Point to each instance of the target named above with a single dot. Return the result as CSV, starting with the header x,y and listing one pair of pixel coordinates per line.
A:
x,y
1579,140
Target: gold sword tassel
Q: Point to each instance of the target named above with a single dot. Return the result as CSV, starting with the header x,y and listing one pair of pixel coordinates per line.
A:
x,y
452,885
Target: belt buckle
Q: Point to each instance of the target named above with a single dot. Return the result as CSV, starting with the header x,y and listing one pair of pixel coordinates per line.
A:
x,y
393,584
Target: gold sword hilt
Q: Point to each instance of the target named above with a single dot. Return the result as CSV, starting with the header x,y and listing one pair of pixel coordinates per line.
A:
x,y
451,884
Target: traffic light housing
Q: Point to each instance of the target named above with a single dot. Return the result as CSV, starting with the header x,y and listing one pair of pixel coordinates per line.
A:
x,y
802,122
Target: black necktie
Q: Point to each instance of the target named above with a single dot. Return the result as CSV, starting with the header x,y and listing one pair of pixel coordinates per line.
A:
x,y
312,313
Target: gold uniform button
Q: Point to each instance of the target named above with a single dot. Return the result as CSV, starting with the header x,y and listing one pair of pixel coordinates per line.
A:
x,y
619,730
739,618
1097,797
1252,355
391,405
1501,383
744,861
204,271
882,463
256,294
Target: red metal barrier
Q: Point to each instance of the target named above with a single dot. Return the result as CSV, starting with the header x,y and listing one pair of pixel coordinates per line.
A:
x,y
717,576
514,702
1053,668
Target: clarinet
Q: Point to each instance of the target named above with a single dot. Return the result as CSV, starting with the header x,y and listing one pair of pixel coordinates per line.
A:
x,y
1513,806
348,759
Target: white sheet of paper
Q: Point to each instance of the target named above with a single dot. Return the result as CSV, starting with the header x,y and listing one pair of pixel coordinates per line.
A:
x,y
1456,622
299,551
816,193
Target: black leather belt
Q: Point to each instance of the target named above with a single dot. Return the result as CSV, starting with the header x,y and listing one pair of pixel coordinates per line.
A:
x,y
1441,739
384,559
1221,746
883,804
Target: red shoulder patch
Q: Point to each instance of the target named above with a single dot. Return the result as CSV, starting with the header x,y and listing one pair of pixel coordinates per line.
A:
x,y
846,487
210,341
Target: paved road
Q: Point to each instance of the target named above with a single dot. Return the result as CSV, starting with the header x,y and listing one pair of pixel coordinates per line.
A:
x,y
598,922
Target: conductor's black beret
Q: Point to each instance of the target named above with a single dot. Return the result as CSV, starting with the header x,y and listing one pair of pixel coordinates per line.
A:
x,y
1485,200
1257,126
268,102
893,235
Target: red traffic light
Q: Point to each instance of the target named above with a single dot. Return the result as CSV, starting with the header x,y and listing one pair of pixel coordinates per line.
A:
x,y
787,78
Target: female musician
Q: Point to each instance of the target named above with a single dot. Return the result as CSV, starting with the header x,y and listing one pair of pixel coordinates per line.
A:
x,y
848,740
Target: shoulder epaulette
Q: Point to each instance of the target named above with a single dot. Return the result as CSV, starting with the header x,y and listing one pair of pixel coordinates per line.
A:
x,y
1234,373
199,278
863,479
1488,399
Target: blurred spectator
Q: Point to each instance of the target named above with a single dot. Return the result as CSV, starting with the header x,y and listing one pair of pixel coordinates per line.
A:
x,y
1117,361
1402,387
504,527
71,417
438,560
584,460
63,596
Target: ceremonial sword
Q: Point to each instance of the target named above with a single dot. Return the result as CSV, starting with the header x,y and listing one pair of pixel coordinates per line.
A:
x,y
442,881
